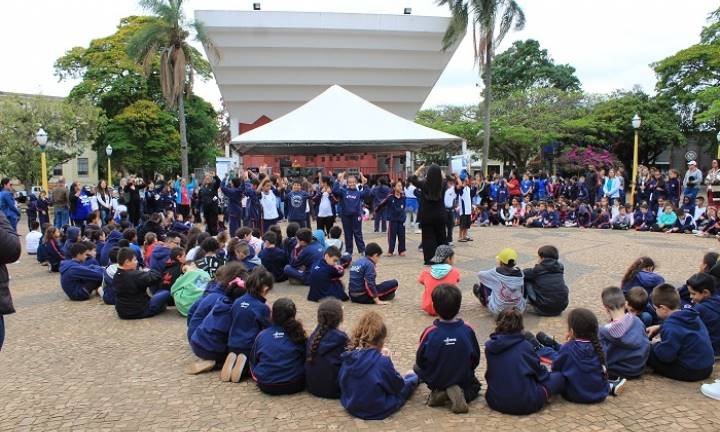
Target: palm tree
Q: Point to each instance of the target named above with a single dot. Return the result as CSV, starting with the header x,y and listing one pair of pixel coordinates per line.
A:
x,y
167,35
491,21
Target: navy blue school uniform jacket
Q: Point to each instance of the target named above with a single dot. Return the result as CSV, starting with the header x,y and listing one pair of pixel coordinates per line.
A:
x,y
646,219
585,381
274,260
709,311
276,359
108,294
448,355
202,306
325,281
394,207
514,375
112,240
369,384
295,205
645,279
73,235
685,341
78,279
626,347
322,369
212,333
351,200
250,315
308,256
362,278
233,198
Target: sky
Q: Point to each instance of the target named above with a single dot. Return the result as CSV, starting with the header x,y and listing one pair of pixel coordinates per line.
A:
x,y
611,43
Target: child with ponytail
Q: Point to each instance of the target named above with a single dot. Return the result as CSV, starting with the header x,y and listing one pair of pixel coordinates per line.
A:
x,y
641,273
277,360
232,273
209,340
324,348
370,387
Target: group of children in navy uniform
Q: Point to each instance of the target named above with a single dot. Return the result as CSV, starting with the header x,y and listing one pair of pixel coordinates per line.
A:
x,y
232,328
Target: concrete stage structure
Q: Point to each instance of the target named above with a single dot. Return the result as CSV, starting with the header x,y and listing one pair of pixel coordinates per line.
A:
x,y
273,62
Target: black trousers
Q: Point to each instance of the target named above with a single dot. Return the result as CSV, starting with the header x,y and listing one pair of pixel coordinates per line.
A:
x,y
676,371
211,220
325,223
282,388
449,223
433,235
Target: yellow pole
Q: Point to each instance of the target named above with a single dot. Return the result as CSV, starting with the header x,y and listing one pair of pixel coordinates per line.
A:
x,y
635,168
718,152
43,171
109,174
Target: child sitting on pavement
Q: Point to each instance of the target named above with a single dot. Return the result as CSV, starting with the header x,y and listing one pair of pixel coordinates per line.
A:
x,y
545,283
502,287
440,272
448,354
132,287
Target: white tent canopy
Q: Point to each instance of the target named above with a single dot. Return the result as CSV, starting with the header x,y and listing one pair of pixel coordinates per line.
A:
x,y
338,121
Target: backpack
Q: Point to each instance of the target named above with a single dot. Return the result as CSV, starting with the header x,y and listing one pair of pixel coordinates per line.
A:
x,y
188,288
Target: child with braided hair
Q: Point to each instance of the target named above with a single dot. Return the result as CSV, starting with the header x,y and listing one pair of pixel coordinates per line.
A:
x,y
277,360
580,360
324,348
370,387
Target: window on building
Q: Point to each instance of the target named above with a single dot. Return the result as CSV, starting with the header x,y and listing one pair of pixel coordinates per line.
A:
x,y
83,166
57,171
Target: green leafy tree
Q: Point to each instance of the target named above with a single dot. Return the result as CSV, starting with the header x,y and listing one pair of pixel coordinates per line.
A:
x,y
202,131
525,66
145,139
460,121
168,35
489,21
608,125
70,128
691,78
112,80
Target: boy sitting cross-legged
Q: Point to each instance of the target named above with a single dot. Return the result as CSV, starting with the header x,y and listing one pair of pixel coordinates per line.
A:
x,y
624,340
77,278
683,351
703,294
131,289
449,353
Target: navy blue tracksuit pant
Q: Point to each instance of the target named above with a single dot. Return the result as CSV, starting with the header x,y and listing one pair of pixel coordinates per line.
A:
x,y
396,230
352,226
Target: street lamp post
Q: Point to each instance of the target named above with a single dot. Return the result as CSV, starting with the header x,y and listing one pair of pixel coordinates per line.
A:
x,y
636,122
42,139
108,152
718,140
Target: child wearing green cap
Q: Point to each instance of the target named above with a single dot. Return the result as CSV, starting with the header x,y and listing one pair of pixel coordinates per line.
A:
x,y
502,287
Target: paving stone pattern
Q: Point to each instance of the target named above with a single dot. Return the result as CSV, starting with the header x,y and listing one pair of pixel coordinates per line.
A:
x,y
76,366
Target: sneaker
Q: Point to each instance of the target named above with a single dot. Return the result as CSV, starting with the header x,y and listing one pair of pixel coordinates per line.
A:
x,y
533,340
199,367
711,390
468,238
418,231
451,244
457,398
437,398
547,341
477,290
227,368
617,386
389,254
237,370
402,254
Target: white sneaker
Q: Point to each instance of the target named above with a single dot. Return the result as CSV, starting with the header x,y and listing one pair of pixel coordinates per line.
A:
x,y
418,231
711,390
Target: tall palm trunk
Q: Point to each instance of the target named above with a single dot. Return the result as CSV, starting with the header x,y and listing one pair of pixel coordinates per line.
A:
x,y
487,97
183,137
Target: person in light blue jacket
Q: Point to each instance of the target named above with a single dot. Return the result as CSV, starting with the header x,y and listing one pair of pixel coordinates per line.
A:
x,y
7,203
611,187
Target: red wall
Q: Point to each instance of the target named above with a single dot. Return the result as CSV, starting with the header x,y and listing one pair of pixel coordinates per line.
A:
x,y
367,163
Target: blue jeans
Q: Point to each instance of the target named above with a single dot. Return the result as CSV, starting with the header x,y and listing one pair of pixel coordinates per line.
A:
x,y
62,216
691,193
13,221
158,303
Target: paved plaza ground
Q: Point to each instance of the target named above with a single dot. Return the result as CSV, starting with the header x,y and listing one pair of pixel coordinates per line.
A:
x,y
76,366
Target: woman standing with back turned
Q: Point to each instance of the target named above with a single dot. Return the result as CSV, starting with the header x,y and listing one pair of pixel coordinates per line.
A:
x,y
431,213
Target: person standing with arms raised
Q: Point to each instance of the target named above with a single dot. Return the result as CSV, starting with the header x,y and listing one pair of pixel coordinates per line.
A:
x,y
431,213
9,253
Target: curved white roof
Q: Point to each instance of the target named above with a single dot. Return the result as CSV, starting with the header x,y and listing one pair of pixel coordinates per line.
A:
x,y
339,117
273,62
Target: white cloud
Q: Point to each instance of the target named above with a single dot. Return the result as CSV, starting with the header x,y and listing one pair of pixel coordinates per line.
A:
x,y
611,43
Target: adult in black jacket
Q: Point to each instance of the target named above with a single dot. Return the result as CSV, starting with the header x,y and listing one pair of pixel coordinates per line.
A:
x,y
210,202
545,284
9,253
431,211
132,199
131,289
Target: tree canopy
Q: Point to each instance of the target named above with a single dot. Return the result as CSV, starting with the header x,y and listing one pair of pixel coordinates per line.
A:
x,y
526,66
113,81
690,78
70,126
